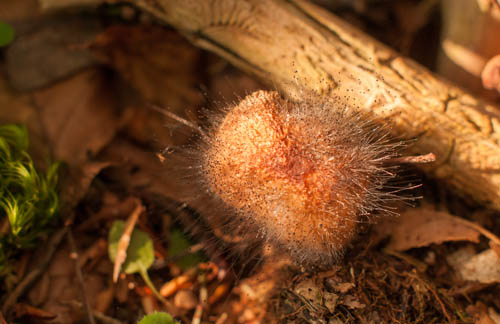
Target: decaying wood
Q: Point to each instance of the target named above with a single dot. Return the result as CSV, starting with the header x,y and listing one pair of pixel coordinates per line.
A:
x,y
294,42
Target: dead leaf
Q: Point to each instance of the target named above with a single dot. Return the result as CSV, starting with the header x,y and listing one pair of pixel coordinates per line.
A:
x,y
352,302
330,300
483,267
163,68
159,63
343,287
423,226
76,182
79,116
48,50
19,108
65,287
309,290
480,313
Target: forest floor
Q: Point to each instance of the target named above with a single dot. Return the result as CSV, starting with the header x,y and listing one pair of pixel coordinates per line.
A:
x,y
83,82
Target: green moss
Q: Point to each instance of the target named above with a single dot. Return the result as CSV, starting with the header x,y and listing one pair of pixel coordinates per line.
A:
x,y
28,198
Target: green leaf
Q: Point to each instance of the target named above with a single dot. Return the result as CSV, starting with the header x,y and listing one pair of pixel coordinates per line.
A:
x,y
6,34
158,318
178,245
140,252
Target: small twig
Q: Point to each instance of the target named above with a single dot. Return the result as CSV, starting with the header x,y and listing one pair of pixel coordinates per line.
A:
x,y
79,276
172,286
427,158
222,318
179,119
100,316
31,277
198,312
124,241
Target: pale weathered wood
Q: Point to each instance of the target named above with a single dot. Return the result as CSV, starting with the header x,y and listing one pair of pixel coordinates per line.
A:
x,y
274,38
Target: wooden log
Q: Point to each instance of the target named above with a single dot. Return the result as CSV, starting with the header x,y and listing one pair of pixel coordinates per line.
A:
x,y
290,43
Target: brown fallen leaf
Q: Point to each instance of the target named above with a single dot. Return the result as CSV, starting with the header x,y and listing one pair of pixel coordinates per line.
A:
x,y
19,108
76,182
421,227
352,302
159,63
50,49
162,67
343,287
330,300
480,313
64,287
79,115
483,267
309,290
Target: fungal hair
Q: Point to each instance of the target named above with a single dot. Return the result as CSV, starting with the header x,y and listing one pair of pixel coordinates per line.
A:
x,y
294,174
